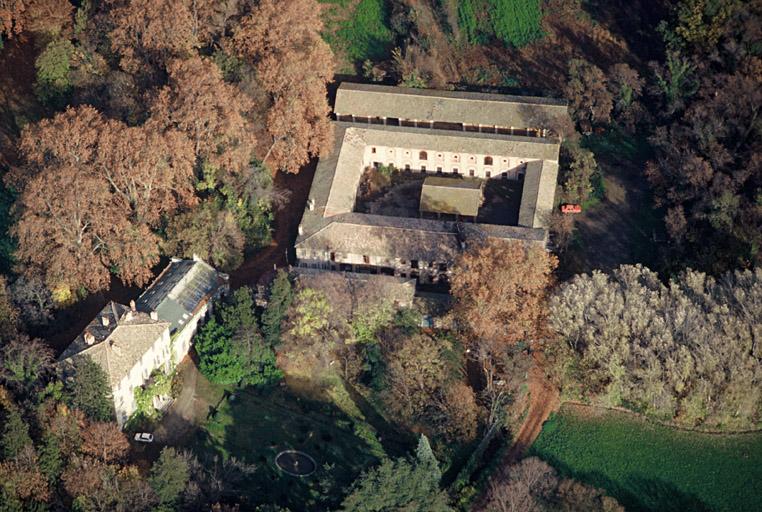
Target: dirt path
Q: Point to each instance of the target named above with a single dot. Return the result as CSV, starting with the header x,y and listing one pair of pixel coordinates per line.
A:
x,y
543,400
287,219
182,414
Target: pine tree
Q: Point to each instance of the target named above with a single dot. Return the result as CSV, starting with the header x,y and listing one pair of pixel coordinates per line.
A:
x,y
169,476
89,391
281,296
15,434
426,461
50,461
400,484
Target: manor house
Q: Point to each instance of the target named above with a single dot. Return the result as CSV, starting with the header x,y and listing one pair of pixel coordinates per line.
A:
x,y
153,333
457,145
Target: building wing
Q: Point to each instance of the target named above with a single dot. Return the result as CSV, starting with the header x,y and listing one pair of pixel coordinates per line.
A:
x,y
451,195
432,106
180,290
115,343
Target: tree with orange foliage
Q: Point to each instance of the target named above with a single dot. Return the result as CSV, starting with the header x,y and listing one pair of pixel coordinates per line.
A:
x,y
148,33
212,113
294,65
150,170
21,480
105,441
67,217
91,189
11,17
501,287
40,16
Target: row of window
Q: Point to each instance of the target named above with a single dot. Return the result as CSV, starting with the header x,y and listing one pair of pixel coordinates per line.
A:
x,y
441,267
455,170
423,155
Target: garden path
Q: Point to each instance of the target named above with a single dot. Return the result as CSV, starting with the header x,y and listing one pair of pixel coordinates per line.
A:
x,y
543,400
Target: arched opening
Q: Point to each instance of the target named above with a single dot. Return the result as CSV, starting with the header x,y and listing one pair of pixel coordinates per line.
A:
x,y
487,160
422,156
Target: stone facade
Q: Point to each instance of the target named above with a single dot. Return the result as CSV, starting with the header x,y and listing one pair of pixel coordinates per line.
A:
x,y
442,133
155,332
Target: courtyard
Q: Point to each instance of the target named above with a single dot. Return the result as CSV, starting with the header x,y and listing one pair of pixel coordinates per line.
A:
x,y
398,193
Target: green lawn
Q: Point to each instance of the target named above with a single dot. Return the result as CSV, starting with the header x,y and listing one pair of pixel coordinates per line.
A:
x,y
255,426
358,30
649,467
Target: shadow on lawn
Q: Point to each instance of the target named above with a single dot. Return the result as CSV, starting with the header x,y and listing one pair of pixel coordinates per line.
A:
x,y
255,425
636,493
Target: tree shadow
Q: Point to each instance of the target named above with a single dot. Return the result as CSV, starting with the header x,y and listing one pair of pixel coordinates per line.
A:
x,y
255,425
635,492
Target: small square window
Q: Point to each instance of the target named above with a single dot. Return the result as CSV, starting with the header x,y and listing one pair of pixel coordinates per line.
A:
x,y
455,170
333,256
505,175
443,267
414,263
366,259
373,150
488,174
423,168
471,172
407,167
439,170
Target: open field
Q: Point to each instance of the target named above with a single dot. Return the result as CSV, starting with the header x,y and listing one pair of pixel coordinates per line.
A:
x,y
255,426
357,30
649,467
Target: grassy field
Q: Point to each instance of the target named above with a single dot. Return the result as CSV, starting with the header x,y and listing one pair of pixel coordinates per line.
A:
x,y
357,30
254,427
648,467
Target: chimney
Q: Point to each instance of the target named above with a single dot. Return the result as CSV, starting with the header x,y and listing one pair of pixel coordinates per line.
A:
x,y
104,321
132,305
89,338
154,315
311,204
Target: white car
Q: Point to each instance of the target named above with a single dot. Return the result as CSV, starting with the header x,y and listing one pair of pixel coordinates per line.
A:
x,y
144,437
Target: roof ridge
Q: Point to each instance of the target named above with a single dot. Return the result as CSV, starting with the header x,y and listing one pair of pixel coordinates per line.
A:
x,y
453,94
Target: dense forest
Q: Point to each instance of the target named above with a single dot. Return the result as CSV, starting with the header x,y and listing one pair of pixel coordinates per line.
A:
x,y
136,130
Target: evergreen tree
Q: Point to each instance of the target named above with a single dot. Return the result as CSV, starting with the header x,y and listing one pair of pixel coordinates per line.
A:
x,y
400,484
217,361
239,312
169,476
426,460
281,296
89,391
53,68
50,461
15,433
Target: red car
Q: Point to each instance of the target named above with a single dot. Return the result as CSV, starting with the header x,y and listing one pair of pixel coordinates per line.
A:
x,y
571,208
